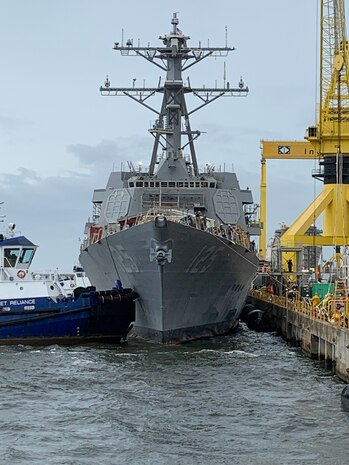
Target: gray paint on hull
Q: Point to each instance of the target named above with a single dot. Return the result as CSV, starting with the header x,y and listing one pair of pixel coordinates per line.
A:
x,y
200,290
186,334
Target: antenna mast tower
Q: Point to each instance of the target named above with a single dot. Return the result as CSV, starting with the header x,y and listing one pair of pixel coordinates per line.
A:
x,y
174,57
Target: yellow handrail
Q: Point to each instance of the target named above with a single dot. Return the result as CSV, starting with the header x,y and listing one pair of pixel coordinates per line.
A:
x,y
336,313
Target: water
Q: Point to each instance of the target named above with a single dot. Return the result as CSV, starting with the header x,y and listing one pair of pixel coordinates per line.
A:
x,y
243,399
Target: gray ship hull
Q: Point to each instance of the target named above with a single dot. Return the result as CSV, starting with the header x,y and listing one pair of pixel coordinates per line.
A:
x,y
191,283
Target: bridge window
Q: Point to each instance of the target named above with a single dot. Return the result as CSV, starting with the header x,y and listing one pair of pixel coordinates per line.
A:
x,y
26,256
10,256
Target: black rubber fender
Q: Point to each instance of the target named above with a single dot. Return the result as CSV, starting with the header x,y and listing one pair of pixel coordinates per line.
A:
x,y
255,320
78,291
246,310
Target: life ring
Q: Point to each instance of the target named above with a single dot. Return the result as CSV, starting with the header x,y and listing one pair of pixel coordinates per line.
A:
x,y
72,285
21,274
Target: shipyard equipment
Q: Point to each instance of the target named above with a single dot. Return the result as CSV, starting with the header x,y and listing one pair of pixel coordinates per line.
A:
x,y
328,141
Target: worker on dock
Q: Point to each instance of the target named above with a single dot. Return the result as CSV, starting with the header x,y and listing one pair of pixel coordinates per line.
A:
x,y
307,301
291,294
327,298
315,300
336,317
326,305
271,289
290,265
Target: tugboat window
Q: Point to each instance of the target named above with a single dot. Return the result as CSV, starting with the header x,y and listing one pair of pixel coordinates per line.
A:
x,y
11,256
26,256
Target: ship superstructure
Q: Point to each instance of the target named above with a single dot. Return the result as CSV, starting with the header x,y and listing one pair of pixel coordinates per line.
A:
x,y
178,236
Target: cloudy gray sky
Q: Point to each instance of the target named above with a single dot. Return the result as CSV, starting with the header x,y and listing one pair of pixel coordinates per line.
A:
x,y
60,139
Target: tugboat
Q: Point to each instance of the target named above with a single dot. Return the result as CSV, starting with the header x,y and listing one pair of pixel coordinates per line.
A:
x,y
35,309
178,236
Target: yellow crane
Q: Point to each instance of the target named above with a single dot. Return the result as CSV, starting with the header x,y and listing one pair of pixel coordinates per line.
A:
x,y
328,141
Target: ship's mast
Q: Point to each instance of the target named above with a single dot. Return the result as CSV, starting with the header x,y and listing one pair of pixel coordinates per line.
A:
x,y
174,58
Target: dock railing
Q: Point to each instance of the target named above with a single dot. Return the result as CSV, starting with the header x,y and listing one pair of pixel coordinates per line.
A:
x,y
333,310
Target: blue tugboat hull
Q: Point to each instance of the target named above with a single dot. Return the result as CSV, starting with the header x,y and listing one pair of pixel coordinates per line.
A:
x,y
92,317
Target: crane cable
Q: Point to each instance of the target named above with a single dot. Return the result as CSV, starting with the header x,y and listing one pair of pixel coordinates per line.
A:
x,y
316,81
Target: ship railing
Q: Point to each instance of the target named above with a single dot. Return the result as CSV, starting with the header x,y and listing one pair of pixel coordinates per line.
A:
x,y
177,216
332,310
96,233
233,233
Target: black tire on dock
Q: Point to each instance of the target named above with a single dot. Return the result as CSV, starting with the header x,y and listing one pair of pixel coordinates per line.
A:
x,y
245,311
255,320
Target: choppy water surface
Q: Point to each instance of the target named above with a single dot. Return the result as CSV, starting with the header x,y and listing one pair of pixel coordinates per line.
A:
x,y
243,399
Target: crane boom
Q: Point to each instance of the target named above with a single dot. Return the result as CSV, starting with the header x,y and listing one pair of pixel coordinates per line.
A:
x,y
330,137
329,140
332,132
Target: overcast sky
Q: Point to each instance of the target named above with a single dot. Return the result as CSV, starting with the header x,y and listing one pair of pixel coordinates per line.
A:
x,y
60,139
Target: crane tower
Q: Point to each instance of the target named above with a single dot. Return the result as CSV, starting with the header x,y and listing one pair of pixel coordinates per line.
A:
x,y
328,140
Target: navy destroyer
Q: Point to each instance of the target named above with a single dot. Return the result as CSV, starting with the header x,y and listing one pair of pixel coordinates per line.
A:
x,y
178,236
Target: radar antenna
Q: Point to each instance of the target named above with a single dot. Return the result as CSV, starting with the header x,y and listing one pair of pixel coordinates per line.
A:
x,y
174,57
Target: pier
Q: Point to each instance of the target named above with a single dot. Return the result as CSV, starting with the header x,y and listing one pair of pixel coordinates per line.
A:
x,y
322,335
302,287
